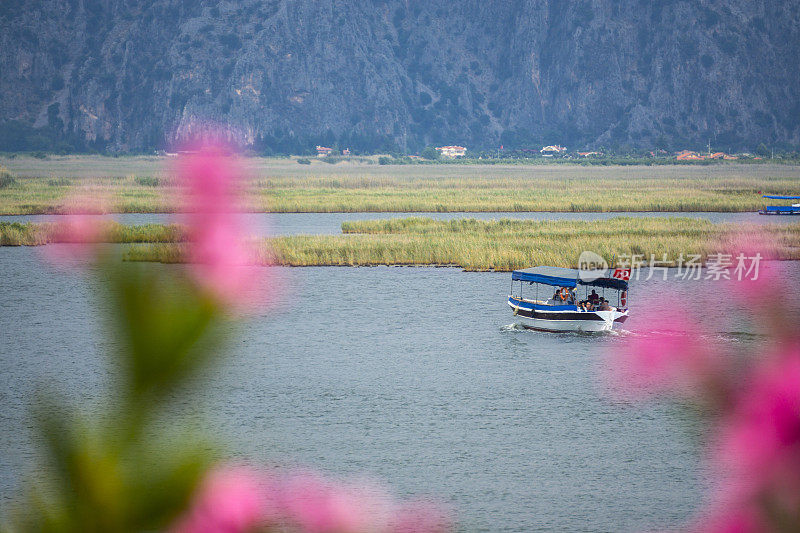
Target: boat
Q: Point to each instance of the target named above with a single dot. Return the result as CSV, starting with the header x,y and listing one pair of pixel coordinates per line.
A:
x,y
554,302
793,209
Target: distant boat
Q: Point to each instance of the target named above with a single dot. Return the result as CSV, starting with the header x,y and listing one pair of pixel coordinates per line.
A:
x,y
793,209
554,302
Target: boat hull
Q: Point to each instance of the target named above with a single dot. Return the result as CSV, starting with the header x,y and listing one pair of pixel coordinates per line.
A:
x,y
562,318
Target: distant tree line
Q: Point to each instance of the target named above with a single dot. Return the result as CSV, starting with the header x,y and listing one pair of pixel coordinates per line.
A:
x,y
16,136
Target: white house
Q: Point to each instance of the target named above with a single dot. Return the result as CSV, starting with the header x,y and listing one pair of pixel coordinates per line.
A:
x,y
452,151
549,151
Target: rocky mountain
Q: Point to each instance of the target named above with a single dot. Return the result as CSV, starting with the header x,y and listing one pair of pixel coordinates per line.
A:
x,y
283,75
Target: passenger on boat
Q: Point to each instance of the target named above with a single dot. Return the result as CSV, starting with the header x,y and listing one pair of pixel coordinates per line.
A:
x,y
594,298
604,305
586,305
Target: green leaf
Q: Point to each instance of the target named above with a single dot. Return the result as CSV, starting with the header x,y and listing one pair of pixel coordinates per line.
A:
x,y
169,329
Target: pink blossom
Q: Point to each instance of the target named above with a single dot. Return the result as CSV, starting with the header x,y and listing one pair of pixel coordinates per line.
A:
x,y
756,252
231,500
761,436
74,238
220,254
759,291
237,499
85,201
736,517
318,505
672,358
732,509
755,446
79,229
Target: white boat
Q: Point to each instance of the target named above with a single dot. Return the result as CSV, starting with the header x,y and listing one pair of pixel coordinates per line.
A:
x,y
553,303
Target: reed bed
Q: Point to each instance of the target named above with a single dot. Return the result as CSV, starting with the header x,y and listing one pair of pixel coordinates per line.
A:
x,y
646,192
639,226
505,245
141,185
37,234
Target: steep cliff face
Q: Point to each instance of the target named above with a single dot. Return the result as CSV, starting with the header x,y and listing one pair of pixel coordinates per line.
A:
x,y
137,75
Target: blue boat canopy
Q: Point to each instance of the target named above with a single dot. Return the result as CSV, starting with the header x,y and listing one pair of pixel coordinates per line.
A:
x,y
566,277
775,197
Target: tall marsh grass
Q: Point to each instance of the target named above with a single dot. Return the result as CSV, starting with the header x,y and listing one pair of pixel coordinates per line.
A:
x,y
502,245
6,179
36,234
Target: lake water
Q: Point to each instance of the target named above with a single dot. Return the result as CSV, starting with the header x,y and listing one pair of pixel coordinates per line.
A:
x,y
330,223
416,376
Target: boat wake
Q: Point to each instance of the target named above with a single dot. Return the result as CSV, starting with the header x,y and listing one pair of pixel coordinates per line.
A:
x,y
521,328
513,327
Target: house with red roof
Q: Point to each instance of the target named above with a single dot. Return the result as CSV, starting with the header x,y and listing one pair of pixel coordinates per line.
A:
x,y
452,151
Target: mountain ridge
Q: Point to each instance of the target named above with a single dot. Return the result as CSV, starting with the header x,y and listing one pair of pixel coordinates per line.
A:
x,y
286,74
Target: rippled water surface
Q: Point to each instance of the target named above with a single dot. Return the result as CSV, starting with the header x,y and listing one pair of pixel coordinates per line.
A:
x,y
417,376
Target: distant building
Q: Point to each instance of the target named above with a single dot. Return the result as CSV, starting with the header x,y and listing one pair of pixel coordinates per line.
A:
x,y
452,151
590,154
346,151
550,151
323,151
688,155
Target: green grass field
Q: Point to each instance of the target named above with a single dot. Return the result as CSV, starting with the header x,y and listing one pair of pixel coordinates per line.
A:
x,y
142,184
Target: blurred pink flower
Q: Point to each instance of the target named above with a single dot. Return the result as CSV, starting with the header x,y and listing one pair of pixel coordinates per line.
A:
x,y
755,271
421,517
736,517
672,358
80,229
763,292
318,505
86,200
760,437
236,499
220,253
231,500
75,237
754,444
